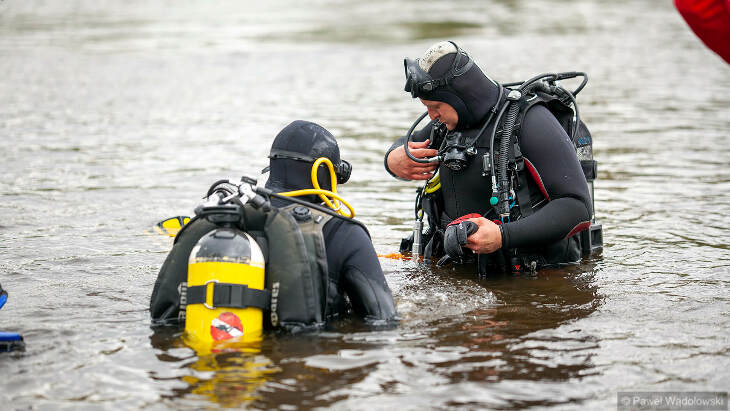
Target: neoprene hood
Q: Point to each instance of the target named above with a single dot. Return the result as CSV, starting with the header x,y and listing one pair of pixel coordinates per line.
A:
x,y
470,92
293,152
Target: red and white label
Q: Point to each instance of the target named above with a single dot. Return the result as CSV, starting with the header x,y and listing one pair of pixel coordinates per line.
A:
x,y
226,326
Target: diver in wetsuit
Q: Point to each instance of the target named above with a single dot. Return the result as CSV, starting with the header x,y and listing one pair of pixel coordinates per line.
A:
x,y
462,99
354,269
354,277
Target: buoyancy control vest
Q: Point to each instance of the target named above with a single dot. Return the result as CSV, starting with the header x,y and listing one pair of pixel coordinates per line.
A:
x,y
580,135
523,181
295,293
558,102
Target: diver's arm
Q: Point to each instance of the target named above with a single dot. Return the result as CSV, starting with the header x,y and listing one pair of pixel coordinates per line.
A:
x,y
551,223
546,145
400,166
362,278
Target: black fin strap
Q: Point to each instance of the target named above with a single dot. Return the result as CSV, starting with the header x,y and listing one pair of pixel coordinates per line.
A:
x,y
230,296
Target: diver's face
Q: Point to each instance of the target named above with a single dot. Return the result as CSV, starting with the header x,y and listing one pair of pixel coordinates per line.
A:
x,y
442,111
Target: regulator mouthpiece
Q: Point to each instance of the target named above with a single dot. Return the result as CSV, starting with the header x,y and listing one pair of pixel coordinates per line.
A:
x,y
455,159
456,152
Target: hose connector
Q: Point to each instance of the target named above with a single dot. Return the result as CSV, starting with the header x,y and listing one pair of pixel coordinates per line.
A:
x,y
514,95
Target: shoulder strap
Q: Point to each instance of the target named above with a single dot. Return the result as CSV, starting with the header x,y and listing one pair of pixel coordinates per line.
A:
x,y
297,270
525,104
521,187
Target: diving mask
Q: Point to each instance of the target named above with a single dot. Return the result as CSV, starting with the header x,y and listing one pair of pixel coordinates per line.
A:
x,y
342,170
419,82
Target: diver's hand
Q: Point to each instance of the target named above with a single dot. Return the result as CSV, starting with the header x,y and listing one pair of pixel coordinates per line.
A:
x,y
487,239
402,166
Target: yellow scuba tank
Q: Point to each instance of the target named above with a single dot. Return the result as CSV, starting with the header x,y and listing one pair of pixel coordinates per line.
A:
x,y
224,295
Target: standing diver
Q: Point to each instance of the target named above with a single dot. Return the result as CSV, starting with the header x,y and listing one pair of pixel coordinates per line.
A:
x,y
503,176
348,276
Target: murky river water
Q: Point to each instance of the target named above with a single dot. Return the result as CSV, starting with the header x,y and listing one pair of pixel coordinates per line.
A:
x,y
116,114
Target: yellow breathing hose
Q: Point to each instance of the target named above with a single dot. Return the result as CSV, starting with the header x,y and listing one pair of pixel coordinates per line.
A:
x,y
173,225
337,201
433,184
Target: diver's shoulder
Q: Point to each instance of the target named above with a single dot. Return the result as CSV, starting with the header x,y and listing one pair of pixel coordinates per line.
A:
x,y
538,112
539,124
345,229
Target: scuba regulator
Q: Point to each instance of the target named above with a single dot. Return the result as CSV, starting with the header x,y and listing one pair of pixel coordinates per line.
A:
x,y
454,149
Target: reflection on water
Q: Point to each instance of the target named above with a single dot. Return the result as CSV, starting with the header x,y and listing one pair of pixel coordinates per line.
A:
x,y
114,115
516,336
229,376
228,379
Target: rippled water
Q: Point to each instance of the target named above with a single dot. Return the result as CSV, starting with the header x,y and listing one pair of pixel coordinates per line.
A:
x,y
116,114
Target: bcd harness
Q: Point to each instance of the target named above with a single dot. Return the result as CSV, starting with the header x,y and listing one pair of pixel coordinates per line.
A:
x,y
296,263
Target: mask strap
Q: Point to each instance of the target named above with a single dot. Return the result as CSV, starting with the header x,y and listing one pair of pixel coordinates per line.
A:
x,y
291,155
455,70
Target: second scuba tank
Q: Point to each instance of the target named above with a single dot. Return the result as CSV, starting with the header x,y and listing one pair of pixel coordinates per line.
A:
x,y
225,272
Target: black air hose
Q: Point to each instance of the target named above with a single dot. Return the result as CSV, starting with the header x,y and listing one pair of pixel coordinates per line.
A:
x,y
491,137
220,185
502,201
572,74
509,125
576,116
408,139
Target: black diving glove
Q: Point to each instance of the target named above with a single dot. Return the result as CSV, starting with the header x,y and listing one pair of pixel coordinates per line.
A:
x,y
455,239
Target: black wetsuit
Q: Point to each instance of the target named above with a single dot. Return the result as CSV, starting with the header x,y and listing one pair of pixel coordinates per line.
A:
x,y
545,144
355,272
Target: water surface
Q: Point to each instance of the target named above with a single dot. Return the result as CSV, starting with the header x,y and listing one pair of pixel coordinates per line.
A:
x,y
114,115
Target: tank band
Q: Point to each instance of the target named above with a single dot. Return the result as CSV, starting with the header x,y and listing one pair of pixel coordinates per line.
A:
x,y
230,295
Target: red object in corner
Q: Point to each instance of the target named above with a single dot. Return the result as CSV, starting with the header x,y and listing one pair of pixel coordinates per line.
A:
x,y
710,20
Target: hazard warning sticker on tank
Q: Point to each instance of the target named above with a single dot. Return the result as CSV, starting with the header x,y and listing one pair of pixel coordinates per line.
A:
x,y
226,326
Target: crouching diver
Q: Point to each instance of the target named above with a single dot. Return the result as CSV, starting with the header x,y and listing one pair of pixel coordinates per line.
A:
x,y
284,262
508,168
